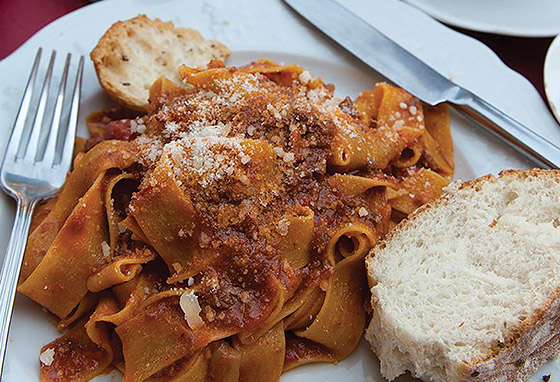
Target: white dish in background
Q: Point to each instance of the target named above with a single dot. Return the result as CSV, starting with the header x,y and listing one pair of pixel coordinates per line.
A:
x,y
258,28
524,18
552,76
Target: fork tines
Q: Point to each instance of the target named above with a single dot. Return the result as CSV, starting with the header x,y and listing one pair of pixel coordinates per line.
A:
x,y
31,130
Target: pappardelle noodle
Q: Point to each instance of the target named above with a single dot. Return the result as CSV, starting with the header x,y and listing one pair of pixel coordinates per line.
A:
x,y
222,236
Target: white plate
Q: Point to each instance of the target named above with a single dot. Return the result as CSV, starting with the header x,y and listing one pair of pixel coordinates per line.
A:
x,y
552,76
258,28
526,18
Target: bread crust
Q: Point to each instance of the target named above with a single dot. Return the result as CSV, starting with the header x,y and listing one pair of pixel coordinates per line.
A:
x,y
528,345
132,54
531,344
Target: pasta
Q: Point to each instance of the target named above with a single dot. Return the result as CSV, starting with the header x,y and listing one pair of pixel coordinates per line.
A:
x,y
222,236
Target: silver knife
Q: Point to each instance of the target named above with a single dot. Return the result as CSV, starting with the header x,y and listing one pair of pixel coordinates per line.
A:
x,y
405,70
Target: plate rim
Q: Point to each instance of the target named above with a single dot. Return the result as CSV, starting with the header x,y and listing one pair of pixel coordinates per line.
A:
x,y
554,46
476,26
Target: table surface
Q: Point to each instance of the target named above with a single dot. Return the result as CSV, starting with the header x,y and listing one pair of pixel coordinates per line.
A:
x,y
17,24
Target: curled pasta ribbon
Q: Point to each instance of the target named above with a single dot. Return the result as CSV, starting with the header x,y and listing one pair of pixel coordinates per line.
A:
x,y
225,363
301,351
106,155
344,299
160,323
279,311
131,295
367,104
307,311
282,74
188,369
93,359
131,224
416,188
178,340
91,337
375,148
162,89
410,156
296,245
299,307
353,239
263,360
123,269
60,281
391,107
114,215
438,144
353,185
42,211
213,79
168,342
86,305
161,224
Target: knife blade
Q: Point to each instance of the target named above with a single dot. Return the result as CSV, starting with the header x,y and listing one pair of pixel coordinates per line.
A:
x,y
410,73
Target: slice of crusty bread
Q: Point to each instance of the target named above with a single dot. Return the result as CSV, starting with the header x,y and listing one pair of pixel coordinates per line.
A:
x,y
468,287
134,53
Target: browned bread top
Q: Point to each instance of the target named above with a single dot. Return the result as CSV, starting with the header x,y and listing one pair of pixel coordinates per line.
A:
x,y
134,53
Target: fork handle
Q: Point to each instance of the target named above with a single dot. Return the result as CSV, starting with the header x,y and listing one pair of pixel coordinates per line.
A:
x,y
11,267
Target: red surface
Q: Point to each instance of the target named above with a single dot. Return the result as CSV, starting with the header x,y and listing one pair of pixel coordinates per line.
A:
x,y
20,19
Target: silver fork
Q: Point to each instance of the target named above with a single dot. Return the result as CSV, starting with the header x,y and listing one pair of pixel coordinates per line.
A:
x,y
33,176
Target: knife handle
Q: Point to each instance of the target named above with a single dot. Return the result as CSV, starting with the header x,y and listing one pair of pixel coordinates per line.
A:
x,y
507,129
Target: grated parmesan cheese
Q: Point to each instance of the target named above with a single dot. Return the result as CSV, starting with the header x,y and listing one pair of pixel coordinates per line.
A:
x,y
203,128
47,357
212,158
190,306
244,158
121,228
170,129
105,249
305,77
279,151
289,157
283,226
137,127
